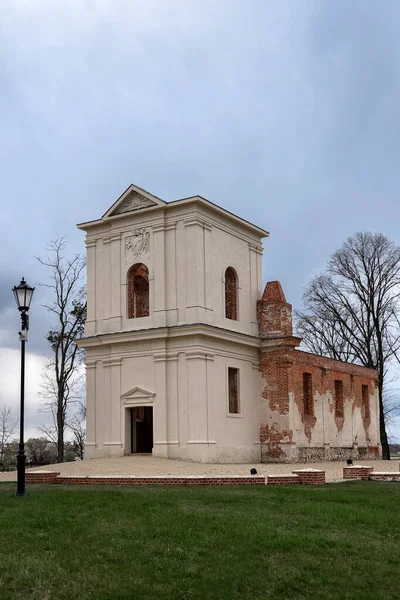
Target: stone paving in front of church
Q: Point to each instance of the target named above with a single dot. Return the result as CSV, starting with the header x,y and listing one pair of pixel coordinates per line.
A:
x,y
149,465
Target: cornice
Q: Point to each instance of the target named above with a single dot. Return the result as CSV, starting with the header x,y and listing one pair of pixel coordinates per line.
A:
x,y
112,362
198,220
283,341
173,332
215,213
170,226
257,248
199,354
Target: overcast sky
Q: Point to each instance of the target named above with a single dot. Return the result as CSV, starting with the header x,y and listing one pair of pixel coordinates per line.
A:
x,y
286,113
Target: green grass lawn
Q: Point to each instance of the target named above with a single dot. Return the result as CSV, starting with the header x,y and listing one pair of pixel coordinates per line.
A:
x,y
333,542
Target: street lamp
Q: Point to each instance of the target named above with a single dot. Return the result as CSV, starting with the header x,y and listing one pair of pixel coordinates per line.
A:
x,y
23,295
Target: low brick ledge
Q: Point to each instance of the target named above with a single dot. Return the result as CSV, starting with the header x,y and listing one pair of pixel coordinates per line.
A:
x,y
299,476
57,478
42,477
283,479
360,472
310,476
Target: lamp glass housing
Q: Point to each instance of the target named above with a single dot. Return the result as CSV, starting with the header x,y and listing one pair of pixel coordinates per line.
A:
x,y
23,295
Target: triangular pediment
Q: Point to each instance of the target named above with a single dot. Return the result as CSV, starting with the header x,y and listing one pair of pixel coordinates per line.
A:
x,y
132,200
137,395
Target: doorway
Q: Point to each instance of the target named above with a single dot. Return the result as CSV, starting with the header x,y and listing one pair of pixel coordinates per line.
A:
x,y
141,429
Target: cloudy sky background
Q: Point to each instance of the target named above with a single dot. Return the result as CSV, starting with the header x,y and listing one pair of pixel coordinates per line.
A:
x,y
286,113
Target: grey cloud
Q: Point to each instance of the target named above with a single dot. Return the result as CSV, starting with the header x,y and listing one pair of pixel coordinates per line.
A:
x,y
283,112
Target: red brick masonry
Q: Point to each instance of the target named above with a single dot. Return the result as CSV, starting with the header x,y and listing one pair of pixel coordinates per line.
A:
x,y
283,479
364,473
299,476
357,472
305,476
55,477
304,418
310,476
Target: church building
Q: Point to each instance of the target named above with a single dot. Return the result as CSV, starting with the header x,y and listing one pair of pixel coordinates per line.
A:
x,y
188,357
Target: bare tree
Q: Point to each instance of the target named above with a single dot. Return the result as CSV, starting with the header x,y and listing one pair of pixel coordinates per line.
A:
x,y
8,426
62,374
391,407
49,431
10,454
40,451
78,429
77,425
352,311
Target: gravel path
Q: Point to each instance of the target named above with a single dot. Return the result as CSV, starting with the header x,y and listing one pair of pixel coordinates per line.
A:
x,y
149,465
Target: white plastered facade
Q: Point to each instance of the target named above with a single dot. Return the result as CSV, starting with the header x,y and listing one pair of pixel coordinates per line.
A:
x,y
174,361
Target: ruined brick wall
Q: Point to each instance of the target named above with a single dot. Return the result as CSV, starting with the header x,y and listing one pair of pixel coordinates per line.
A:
x,y
276,434
275,330
339,416
274,313
329,433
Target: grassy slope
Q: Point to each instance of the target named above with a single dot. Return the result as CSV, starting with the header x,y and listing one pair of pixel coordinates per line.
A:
x,y
333,542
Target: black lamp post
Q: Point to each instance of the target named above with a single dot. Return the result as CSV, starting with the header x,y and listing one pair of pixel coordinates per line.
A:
x,y
23,295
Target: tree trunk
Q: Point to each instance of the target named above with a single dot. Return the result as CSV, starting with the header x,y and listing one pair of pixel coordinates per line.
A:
x,y
382,426
60,436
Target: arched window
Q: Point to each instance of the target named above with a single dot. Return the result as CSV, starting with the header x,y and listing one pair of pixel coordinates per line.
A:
x,y
138,291
231,294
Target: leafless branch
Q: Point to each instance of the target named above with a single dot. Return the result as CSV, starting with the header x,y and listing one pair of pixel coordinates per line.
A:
x,y
352,312
62,377
8,426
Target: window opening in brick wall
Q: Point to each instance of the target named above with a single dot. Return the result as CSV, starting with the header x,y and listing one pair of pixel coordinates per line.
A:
x,y
231,294
138,291
339,405
308,394
233,390
365,402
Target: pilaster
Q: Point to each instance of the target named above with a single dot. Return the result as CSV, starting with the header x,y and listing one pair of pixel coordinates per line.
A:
x,y
211,402
171,274
107,282
112,378
198,400
198,409
254,253
256,404
197,280
160,417
90,325
183,400
159,296
208,300
181,270
115,323
172,403
90,443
